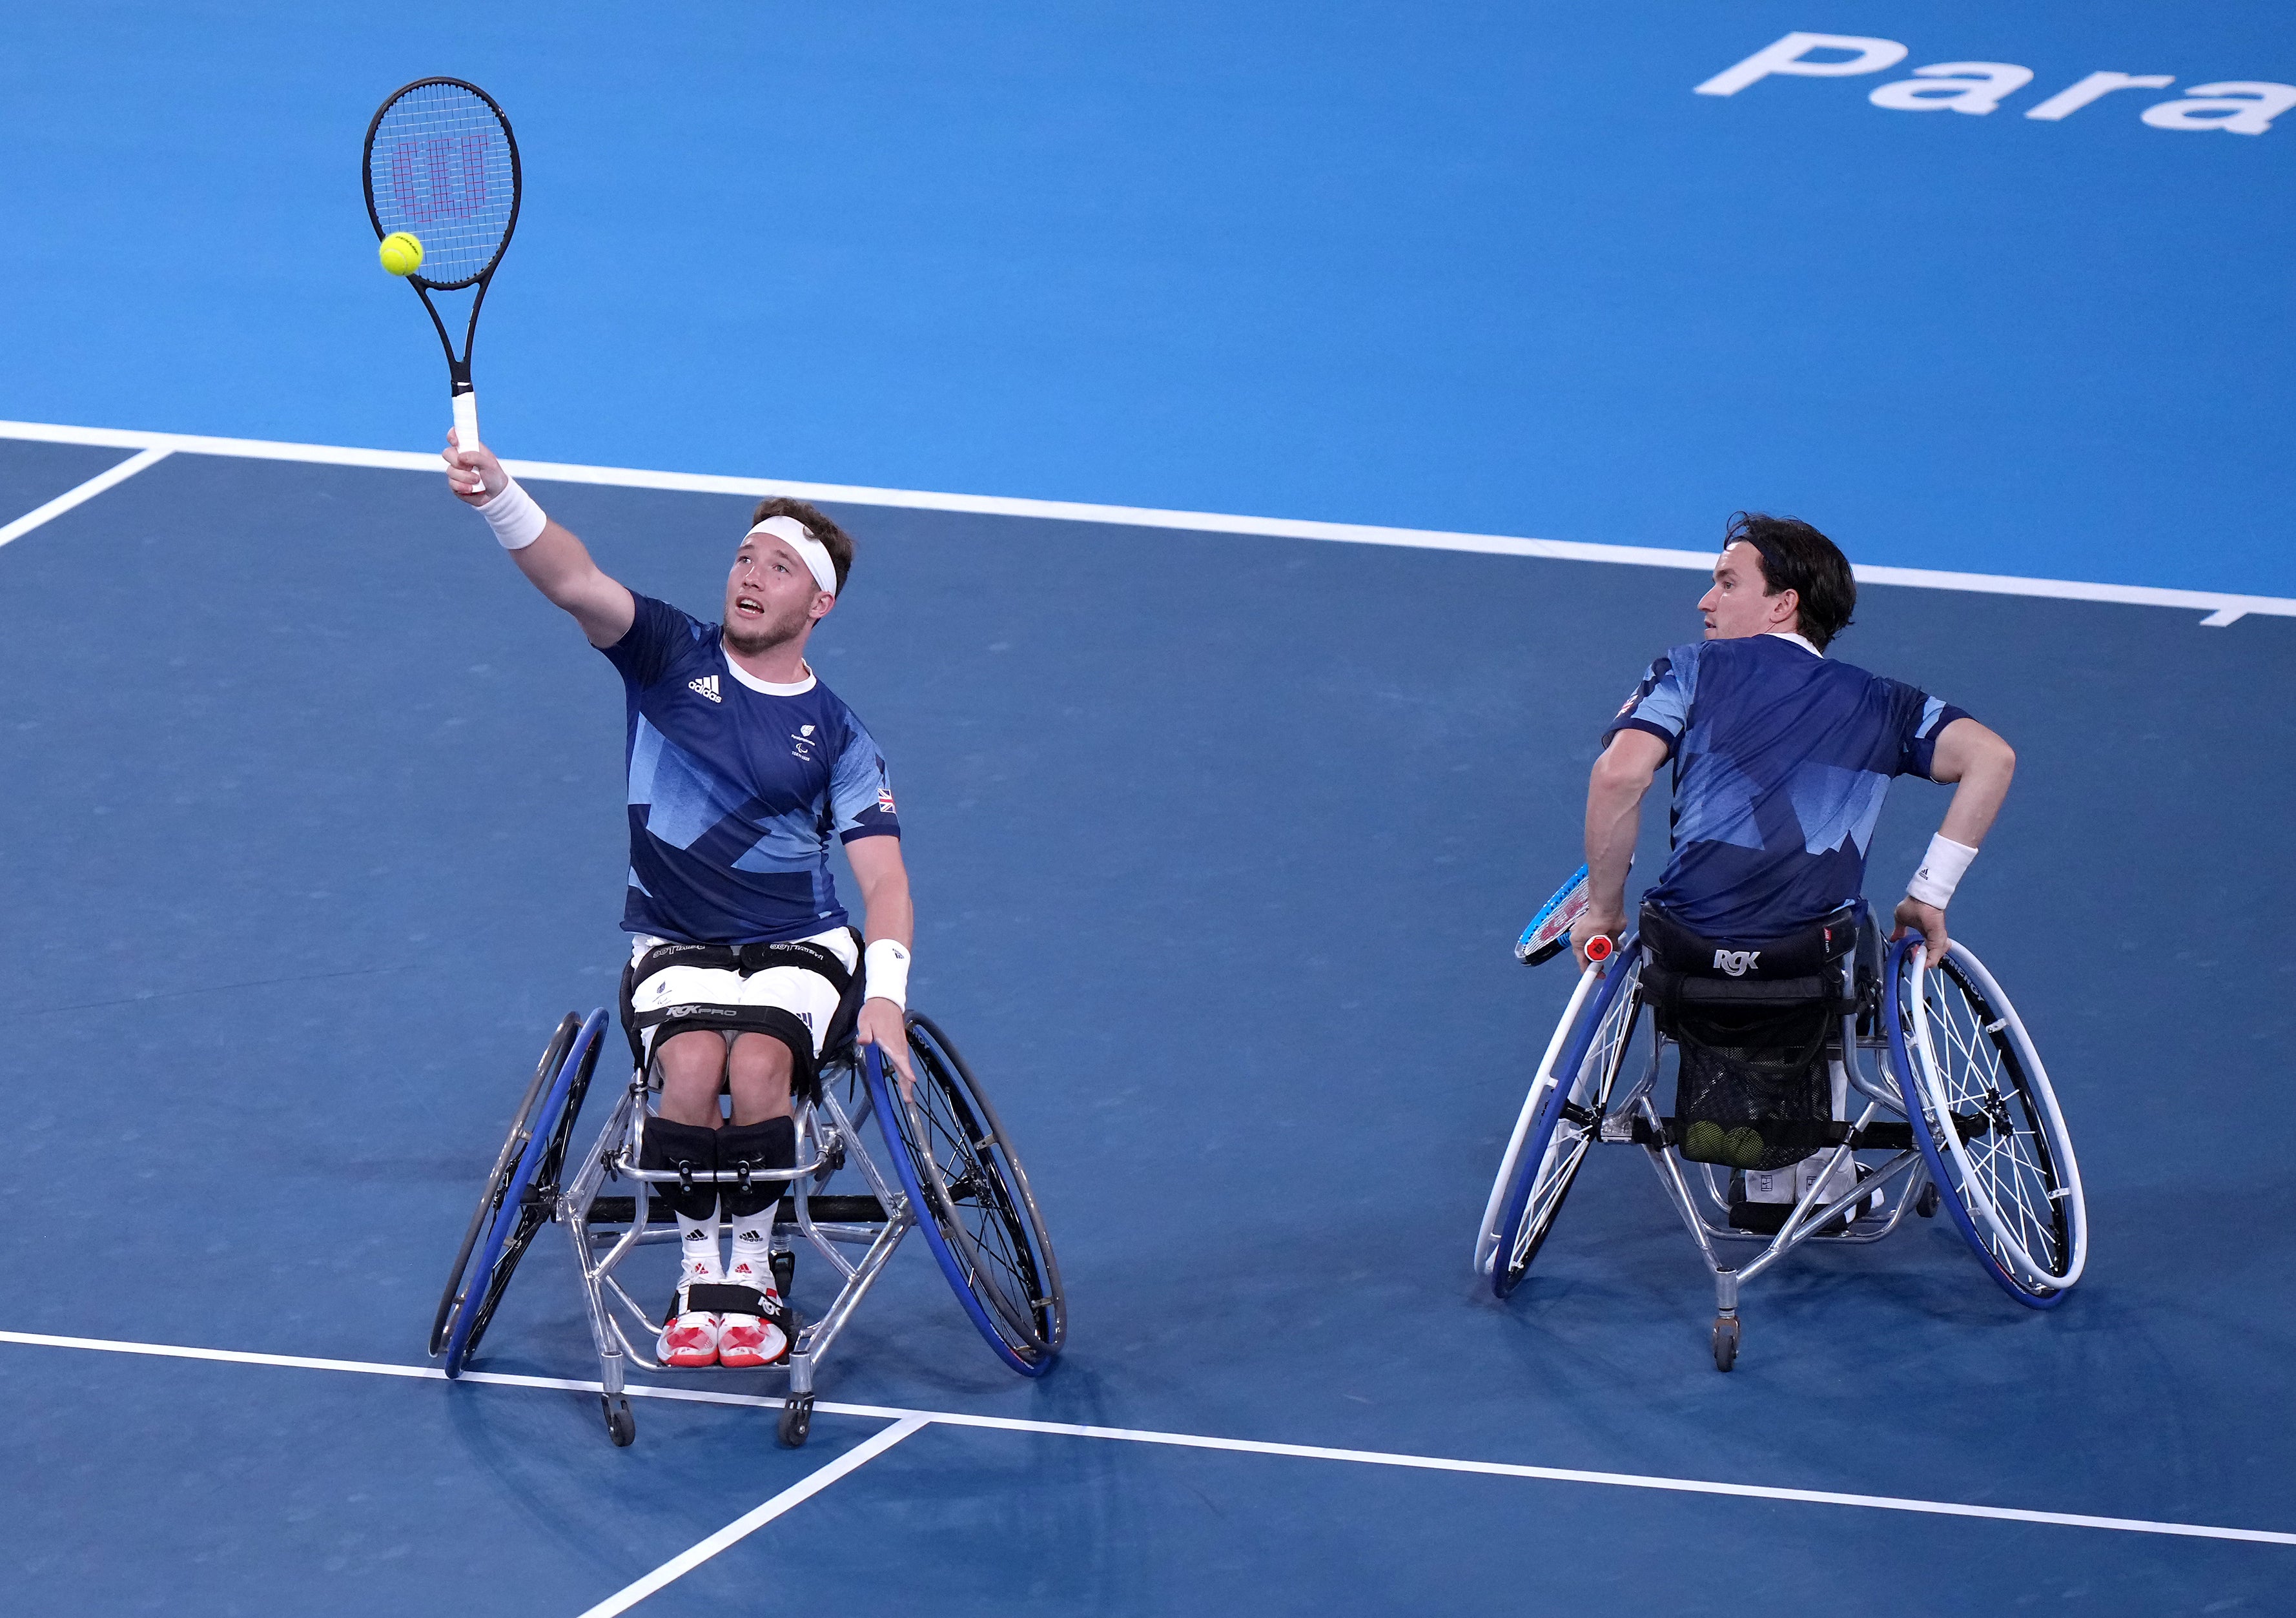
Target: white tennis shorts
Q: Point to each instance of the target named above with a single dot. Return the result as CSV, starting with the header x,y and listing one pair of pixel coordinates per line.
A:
x,y
806,996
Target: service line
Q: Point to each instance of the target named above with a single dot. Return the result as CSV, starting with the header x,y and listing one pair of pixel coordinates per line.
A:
x,y
749,1523
1192,1441
85,492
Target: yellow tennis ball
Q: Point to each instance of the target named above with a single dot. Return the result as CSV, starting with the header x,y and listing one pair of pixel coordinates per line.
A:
x,y
401,252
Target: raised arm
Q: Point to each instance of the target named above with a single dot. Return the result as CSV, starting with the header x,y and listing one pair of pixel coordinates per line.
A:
x,y
1978,765
1614,804
889,923
557,563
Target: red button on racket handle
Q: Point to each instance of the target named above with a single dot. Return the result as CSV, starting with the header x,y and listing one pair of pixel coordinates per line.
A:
x,y
1598,947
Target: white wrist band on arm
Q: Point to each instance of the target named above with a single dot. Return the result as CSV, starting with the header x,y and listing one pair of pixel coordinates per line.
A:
x,y
885,970
1941,871
517,520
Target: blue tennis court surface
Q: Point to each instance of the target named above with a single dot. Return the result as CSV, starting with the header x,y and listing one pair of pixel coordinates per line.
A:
x,y
1219,845
1220,826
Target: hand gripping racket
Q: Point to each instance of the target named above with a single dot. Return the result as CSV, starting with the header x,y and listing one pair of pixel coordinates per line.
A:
x,y
1550,930
441,165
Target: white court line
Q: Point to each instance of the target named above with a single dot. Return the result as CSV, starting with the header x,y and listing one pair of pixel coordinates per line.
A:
x,y
2222,607
1190,1441
86,491
742,1526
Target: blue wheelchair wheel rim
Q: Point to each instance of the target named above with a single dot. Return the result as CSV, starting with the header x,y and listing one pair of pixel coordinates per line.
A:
x,y
442,1322
1597,1009
1949,1191
880,1096
546,1125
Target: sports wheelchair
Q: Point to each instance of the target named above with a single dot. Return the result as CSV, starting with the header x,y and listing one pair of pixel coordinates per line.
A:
x,y
955,1177
1961,1113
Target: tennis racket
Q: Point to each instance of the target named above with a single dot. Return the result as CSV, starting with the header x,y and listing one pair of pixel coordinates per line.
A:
x,y
1549,932
441,165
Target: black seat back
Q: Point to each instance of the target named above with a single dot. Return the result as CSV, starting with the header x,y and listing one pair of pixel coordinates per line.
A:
x,y
1752,1019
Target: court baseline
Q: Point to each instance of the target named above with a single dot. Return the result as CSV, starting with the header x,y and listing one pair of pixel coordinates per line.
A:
x,y
2221,608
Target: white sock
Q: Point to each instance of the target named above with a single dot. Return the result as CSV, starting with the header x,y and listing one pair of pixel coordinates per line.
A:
x,y
753,1245
697,1249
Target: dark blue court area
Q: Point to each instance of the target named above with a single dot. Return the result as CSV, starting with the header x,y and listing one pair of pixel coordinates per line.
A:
x,y
314,830
312,822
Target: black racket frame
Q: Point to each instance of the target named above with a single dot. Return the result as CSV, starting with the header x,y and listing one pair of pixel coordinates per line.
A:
x,y
458,368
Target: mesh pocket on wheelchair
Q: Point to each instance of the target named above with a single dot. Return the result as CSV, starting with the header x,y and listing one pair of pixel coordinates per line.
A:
x,y
1752,1093
1752,1027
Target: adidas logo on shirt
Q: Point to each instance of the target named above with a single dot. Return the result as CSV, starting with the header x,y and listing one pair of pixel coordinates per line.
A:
x,y
707,686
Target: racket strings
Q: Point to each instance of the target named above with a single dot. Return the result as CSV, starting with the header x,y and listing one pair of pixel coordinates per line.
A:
x,y
441,167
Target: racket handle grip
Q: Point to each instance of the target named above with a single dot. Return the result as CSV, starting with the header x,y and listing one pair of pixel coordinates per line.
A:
x,y
466,420
1598,948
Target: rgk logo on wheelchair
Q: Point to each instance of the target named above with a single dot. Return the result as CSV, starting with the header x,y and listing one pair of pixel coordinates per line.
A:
x,y
953,1177
1780,1134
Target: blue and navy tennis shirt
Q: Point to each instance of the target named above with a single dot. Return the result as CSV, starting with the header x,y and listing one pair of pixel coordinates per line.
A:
x,y
1782,757
735,790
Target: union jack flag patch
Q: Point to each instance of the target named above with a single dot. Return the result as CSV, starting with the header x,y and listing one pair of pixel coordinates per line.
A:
x,y
885,799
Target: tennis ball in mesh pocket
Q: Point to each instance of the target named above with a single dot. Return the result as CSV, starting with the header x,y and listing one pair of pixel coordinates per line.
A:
x,y
401,252
1703,1143
1742,1146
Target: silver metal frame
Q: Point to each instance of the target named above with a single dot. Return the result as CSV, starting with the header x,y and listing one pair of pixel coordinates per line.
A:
x,y
828,1139
1851,1218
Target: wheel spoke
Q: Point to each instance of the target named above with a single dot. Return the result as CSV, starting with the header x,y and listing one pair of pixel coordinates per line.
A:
x,y
1572,1134
2008,1164
988,1234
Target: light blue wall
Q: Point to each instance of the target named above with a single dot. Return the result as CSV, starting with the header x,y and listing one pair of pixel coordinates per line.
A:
x,y
1483,268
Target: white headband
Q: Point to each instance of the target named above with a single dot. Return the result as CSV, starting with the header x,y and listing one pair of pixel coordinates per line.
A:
x,y
800,539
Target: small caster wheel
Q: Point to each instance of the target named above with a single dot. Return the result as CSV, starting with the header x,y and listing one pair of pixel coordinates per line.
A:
x,y
621,1426
784,1270
1725,1342
1926,1204
797,1420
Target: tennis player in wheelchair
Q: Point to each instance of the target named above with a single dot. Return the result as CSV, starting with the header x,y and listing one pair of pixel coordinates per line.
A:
x,y
1782,757
741,766
1754,964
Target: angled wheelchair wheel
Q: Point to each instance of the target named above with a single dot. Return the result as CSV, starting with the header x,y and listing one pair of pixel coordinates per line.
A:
x,y
1990,1130
1566,1117
957,1163
528,1199
491,1200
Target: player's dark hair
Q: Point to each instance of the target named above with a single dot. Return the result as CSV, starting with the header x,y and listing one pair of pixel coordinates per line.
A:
x,y
833,539
1795,556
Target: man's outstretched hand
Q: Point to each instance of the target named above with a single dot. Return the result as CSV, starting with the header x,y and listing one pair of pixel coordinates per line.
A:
x,y
1928,920
473,475
881,1024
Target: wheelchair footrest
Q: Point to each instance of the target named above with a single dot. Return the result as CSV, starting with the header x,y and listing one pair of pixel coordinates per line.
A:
x,y
826,1210
1767,1218
1762,1218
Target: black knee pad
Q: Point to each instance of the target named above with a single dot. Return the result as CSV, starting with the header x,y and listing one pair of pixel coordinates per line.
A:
x,y
770,1145
682,1145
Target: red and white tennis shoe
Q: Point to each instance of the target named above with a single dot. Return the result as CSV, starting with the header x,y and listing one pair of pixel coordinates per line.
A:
x,y
690,1336
748,1340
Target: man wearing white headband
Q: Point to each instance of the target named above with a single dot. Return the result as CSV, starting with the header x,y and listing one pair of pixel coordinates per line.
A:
x,y
741,764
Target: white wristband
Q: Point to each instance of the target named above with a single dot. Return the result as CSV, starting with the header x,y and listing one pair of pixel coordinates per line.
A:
x,y
517,520
1941,871
885,969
